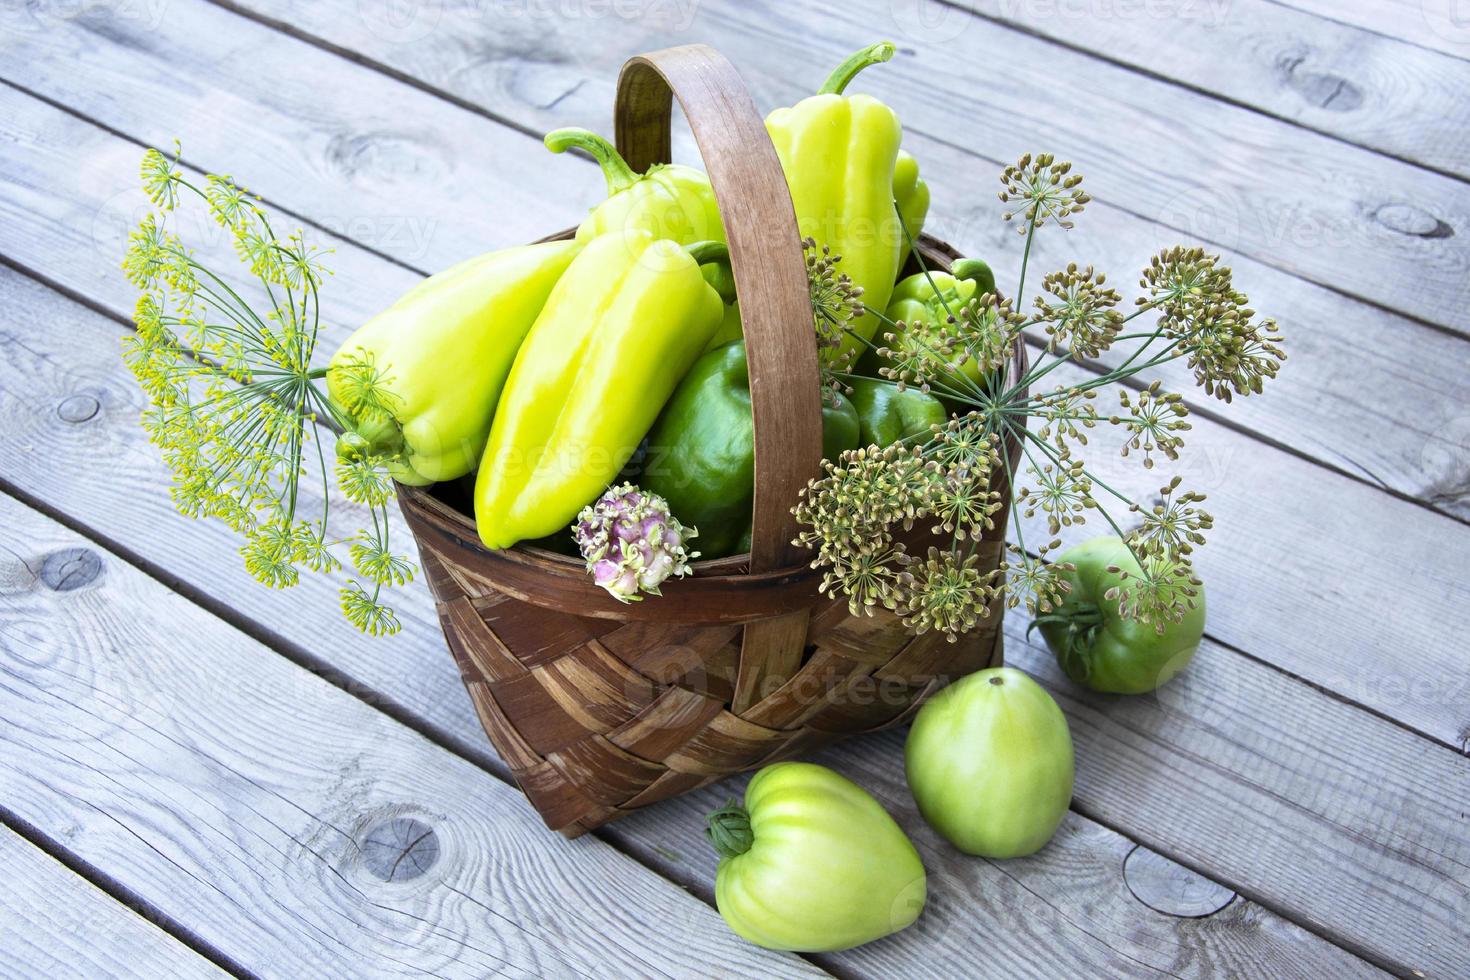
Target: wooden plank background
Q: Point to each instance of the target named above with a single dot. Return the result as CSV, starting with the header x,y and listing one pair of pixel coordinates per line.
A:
x,y
58,925
230,762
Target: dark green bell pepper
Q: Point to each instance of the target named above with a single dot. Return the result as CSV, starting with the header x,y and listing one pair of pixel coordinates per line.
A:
x,y
701,451
887,415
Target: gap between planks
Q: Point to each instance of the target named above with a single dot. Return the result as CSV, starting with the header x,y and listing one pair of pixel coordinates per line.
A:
x,y
145,923
1270,257
1119,61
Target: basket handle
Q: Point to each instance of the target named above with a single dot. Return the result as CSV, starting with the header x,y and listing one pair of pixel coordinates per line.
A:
x,y
765,256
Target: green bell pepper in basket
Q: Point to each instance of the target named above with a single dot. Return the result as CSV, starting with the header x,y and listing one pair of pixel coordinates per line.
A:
x,y
887,415
420,381
701,451
622,326
924,300
669,200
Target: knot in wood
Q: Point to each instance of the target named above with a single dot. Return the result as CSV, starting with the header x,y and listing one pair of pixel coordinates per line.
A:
x,y
1171,888
78,408
1411,220
1325,90
400,849
70,568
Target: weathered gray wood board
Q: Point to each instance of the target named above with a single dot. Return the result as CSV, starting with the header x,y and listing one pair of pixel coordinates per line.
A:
x,y
74,362
1347,82
1339,401
1240,560
379,672
1440,25
57,925
340,143
227,787
1366,224
1350,825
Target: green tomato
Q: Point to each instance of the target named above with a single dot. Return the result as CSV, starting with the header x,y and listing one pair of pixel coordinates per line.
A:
x,y
1096,645
812,863
989,761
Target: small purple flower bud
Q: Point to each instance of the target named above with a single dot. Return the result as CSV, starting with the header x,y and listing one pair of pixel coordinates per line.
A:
x,y
632,543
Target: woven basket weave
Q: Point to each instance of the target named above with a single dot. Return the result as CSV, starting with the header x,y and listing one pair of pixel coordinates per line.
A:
x,y
599,707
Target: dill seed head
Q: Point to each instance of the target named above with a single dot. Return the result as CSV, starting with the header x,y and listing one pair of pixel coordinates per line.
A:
x,y
233,399
1043,189
1082,319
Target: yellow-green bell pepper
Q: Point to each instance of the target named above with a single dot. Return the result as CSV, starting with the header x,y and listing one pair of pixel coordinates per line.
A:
x,y
623,325
718,275
911,194
419,382
925,300
838,153
669,200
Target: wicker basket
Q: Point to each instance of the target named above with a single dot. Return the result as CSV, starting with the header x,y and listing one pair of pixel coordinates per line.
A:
x,y
601,708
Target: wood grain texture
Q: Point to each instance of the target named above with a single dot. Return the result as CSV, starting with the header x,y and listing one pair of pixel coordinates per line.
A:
x,y
61,242
1439,25
335,134
1336,402
1367,839
412,672
264,784
58,925
1252,486
1306,203
1357,85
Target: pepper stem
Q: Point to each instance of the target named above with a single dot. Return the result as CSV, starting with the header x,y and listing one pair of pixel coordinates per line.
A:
x,y
373,435
615,169
1083,620
977,270
708,251
719,276
845,72
728,830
